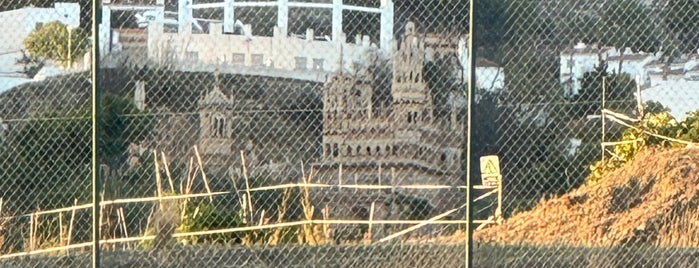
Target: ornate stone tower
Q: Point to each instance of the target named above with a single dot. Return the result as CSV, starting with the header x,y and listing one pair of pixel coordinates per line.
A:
x,y
412,101
215,134
401,143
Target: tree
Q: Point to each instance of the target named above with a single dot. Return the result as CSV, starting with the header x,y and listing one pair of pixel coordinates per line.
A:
x,y
682,19
56,41
619,92
629,24
49,156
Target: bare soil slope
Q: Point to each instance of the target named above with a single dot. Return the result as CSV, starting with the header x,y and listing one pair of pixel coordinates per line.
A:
x,y
653,200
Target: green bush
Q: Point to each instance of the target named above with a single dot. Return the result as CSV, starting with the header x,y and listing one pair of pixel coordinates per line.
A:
x,y
657,128
55,41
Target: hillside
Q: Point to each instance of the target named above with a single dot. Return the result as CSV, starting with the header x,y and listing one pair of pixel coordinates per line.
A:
x,y
652,200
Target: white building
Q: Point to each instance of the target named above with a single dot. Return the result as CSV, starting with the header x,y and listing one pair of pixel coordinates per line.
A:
x,y
633,64
676,85
576,62
489,75
19,23
275,55
680,96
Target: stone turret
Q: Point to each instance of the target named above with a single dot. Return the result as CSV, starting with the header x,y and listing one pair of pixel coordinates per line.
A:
x,y
215,119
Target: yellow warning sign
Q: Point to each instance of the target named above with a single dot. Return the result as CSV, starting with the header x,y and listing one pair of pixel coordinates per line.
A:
x,y
490,170
490,165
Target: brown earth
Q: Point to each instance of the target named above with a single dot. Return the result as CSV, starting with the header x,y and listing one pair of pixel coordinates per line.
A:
x,y
652,200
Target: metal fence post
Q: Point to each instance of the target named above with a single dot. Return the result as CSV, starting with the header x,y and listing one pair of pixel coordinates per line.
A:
x,y
95,114
469,112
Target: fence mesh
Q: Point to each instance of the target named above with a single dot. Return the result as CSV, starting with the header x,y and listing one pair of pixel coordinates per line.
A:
x,y
335,133
591,127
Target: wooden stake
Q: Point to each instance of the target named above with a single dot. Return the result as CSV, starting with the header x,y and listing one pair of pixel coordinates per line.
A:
x,y
190,180
31,232
123,222
203,174
70,225
247,183
371,219
188,185
60,229
167,172
262,218
158,179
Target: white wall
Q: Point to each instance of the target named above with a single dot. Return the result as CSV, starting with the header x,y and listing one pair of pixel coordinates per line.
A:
x,y
17,24
278,52
580,64
490,78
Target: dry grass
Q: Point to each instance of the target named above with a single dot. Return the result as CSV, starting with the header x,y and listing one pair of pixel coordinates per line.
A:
x,y
651,201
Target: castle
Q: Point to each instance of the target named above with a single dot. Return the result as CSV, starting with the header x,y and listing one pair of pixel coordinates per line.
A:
x,y
392,136
375,131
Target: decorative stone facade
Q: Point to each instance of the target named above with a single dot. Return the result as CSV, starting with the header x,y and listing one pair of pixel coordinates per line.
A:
x,y
391,139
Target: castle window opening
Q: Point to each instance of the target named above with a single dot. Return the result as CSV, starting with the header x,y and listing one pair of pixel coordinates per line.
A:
x,y
417,78
336,150
378,150
368,150
257,60
219,126
349,150
191,57
359,150
410,117
395,150
318,64
327,149
238,59
300,63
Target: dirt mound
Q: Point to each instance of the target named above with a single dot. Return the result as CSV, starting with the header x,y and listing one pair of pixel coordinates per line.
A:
x,y
652,200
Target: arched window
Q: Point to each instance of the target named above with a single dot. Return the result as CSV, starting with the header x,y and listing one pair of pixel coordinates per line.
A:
x,y
349,150
359,150
368,150
218,126
336,150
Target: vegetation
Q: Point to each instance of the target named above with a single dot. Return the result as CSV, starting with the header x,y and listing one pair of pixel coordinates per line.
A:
x,y
618,91
56,41
657,128
40,153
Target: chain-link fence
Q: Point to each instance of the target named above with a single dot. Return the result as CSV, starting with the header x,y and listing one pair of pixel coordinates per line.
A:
x,y
591,127
341,133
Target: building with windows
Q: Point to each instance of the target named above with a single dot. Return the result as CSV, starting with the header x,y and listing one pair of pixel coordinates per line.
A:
x,y
392,136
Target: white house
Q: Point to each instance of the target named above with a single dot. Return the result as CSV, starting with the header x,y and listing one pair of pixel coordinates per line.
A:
x,y
576,62
633,64
489,75
18,23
